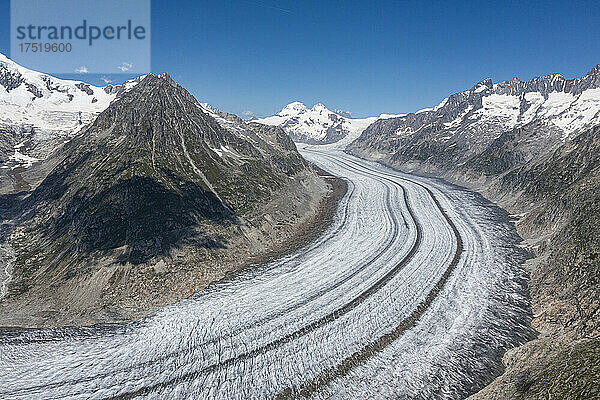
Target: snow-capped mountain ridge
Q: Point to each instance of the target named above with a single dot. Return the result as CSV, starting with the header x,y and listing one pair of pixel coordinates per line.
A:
x,y
318,125
467,122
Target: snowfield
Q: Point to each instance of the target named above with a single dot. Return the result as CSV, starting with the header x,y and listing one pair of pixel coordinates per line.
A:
x,y
414,291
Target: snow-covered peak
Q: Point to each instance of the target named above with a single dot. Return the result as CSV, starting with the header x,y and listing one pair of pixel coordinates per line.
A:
x,y
319,125
294,108
568,104
42,103
36,91
315,125
594,71
320,108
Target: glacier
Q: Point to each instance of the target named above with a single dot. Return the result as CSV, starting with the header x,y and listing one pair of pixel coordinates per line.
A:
x,y
427,271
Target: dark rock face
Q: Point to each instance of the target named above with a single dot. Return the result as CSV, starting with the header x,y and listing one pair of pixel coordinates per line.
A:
x,y
566,185
335,133
110,89
10,80
85,88
7,143
34,90
53,85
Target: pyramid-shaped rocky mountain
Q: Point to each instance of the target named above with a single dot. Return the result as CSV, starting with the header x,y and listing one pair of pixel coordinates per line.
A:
x,y
150,171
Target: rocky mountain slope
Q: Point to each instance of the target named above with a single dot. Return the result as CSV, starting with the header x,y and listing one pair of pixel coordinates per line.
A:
x,y
156,198
38,114
318,125
533,147
559,195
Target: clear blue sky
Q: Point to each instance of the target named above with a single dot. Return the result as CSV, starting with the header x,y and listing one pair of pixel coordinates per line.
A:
x,y
366,57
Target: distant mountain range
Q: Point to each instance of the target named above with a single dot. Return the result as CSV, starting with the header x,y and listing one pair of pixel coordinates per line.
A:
x,y
319,125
